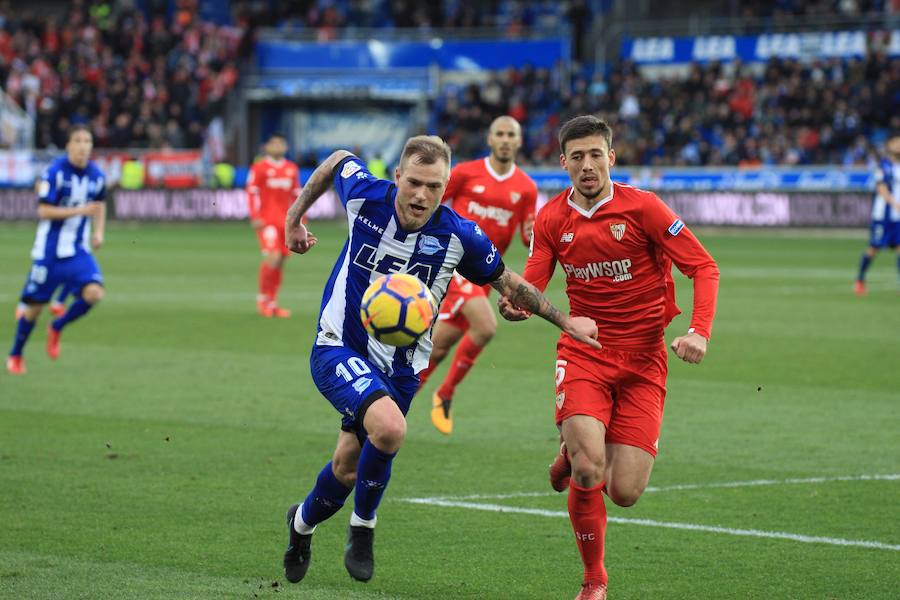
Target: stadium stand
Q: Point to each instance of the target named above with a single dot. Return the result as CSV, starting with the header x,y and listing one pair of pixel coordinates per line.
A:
x,y
155,79
138,82
787,113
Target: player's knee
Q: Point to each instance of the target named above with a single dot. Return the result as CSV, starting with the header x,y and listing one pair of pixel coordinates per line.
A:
x,y
389,435
587,470
438,353
623,495
33,311
483,333
92,294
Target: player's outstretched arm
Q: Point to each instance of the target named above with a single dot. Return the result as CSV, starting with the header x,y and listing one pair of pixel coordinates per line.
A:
x,y
526,297
297,238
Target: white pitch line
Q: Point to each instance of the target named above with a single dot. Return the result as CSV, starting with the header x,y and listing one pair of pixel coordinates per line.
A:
x,y
687,486
780,535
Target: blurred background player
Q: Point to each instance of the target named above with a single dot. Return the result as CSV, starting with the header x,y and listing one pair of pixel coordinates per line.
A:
x,y
394,227
884,229
500,198
57,305
272,185
72,216
616,244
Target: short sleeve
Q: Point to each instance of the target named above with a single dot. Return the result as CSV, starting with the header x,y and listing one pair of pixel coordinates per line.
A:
x,y
881,173
100,191
48,187
481,263
352,180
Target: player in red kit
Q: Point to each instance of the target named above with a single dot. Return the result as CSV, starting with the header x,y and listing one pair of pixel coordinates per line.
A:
x,y
616,245
500,198
272,186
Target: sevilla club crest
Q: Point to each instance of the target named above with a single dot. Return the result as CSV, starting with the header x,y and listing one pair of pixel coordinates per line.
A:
x,y
618,230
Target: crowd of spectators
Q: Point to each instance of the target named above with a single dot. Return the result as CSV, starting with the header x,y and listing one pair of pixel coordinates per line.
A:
x,y
155,80
785,11
784,113
327,18
137,81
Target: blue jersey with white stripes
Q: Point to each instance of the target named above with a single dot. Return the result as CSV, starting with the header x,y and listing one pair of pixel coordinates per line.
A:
x,y
377,246
63,184
889,174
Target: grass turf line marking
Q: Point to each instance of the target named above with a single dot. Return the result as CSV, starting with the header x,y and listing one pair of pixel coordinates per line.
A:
x,y
683,487
780,535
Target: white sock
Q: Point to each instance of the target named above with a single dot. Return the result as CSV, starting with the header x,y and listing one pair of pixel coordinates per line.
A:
x,y
300,525
357,521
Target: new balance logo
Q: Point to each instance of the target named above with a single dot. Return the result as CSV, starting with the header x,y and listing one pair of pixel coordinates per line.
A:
x,y
567,237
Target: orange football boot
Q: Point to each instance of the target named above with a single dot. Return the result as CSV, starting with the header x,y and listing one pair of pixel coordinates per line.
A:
x,y
440,414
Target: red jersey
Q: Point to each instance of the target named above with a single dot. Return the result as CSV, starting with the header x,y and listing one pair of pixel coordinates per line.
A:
x,y
618,263
272,186
500,204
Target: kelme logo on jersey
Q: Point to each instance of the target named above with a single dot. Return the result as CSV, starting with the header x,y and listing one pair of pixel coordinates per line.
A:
x,y
429,245
350,168
618,230
676,227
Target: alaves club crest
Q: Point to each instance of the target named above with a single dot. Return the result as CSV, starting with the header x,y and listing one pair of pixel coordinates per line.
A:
x,y
618,230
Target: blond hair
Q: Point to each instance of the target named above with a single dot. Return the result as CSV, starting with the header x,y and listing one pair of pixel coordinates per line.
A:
x,y
427,149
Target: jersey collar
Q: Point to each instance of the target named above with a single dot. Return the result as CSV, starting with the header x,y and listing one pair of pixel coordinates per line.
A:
x,y
494,174
590,213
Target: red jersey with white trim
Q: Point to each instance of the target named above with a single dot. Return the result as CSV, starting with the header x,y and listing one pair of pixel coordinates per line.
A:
x,y
272,186
618,263
499,204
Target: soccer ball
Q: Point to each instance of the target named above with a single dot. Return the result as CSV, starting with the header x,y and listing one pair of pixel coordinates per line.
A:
x,y
397,309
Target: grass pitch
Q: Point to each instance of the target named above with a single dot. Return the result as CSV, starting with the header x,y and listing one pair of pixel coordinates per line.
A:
x,y
156,458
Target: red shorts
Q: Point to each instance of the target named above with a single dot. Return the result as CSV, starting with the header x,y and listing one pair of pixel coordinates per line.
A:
x,y
460,291
624,390
271,239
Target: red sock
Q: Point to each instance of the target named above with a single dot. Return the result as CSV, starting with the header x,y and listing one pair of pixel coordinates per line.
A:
x,y
587,512
424,375
264,278
465,356
274,282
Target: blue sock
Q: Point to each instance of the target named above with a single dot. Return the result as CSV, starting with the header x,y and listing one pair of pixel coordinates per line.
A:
x,y
76,310
372,475
325,499
23,330
63,294
864,266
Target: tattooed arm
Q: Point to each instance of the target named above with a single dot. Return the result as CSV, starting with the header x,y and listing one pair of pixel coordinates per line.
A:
x,y
528,298
298,239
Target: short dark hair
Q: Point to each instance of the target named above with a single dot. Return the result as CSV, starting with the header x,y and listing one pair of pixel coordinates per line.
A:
x,y
427,148
75,129
276,134
582,127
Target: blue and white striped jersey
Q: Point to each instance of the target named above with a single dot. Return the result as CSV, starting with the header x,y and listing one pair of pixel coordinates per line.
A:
x,y
888,173
376,246
64,184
